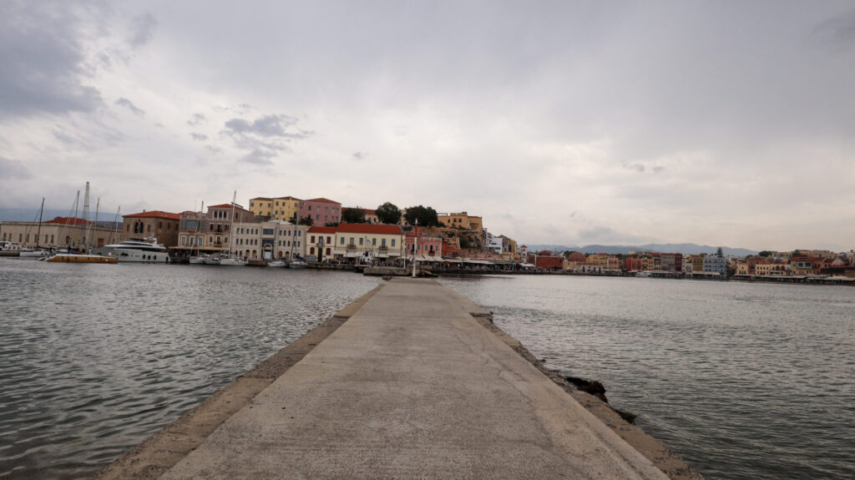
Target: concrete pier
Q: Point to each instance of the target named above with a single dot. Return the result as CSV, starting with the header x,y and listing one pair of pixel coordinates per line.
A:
x,y
413,386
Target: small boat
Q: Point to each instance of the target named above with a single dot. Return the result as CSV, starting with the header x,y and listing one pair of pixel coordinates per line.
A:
x,y
212,260
27,253
278,264
232,262
297,264
80,258
199,259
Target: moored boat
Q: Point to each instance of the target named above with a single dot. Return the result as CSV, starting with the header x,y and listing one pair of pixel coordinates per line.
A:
x,y
232,262
80,258
277,264
136,251
198,259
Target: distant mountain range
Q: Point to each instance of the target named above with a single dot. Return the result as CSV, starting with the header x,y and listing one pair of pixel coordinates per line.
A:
x,y
684,248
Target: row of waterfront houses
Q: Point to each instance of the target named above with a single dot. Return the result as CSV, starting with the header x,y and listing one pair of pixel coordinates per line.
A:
x,y
800,263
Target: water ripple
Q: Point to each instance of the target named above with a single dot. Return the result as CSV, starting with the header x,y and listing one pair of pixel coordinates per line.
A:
x,y
95,358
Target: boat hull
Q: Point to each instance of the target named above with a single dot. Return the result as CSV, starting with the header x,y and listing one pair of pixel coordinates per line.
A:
x,y
197,260
297,265
232,262
36,254
73,258
277,264
135,256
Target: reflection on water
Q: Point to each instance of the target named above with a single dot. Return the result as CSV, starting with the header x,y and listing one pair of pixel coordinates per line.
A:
x,y
744,381
95,358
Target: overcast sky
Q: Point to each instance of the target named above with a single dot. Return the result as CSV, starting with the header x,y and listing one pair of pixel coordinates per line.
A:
x,y
723,123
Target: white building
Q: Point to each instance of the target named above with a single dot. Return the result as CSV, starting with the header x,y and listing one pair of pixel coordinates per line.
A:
x,y
716,264
269,240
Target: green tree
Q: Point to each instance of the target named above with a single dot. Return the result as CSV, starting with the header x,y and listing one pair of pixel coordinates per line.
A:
x,y
353,215
307,220
388,213
719,252
331,224
765,253
425,215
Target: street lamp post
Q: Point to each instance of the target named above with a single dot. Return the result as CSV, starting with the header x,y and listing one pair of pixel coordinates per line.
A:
x,y
415,245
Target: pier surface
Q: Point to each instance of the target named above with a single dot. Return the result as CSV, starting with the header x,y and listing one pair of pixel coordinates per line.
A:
x,y
412,386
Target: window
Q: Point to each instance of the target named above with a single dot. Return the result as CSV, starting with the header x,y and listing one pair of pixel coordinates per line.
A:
x,y
342,240
373,242
328,251
393,242
382,242
313,239
360,241
128,227
160,225
329,240
183,240
312,251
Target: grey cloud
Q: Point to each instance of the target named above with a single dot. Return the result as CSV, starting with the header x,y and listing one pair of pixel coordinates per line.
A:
x,y
638,167
603,234
42,53
213,149
259,157
838,32
159,125
199,137
142,29
359,155
13,169
658,169
196,119
124,102
266,126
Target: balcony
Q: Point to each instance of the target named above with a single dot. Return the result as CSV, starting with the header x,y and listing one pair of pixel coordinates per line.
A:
x,y
382,249
350,247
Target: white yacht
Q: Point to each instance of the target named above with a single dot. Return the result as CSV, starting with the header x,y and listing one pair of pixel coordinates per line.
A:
x,y
136,251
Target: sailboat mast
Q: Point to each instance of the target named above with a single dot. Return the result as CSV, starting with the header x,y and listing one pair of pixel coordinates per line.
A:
x,y
41,212
198,228
232,224
115,223
86,211
89,230
76,226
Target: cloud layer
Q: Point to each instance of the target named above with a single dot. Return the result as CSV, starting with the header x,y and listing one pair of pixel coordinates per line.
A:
x,y
704,122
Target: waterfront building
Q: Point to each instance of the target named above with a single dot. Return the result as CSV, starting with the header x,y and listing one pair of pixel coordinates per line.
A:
x,y
371,216
509,248
476,224
631,264
279,208
320,243
321,210
522,252
494,243
427,248
669,262
219,220
802,265
772,269
61,232
716,264
354,240
154,224
191,231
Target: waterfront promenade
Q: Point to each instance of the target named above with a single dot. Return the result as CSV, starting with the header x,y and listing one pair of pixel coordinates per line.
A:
x,y
412,386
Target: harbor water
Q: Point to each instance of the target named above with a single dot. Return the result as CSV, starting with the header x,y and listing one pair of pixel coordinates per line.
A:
x,y
744,381
96,358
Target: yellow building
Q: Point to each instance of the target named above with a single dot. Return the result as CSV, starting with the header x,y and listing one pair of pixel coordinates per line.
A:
x,y
455,220
362,239
476,224
279,208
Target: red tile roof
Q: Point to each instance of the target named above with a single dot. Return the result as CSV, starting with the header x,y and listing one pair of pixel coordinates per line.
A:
x,y
367,211
369,228
323,200
321,229
154,214
69,221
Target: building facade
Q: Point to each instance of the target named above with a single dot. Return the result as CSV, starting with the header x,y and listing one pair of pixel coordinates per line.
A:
x,y
426,248
61,232
716,264
157,224
278,208
384,242
322,211
320,244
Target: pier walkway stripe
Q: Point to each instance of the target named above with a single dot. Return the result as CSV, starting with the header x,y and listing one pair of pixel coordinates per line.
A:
x,y
412,386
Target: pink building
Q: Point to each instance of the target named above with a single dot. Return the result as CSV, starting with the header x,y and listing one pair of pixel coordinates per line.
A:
x,y
427,246
321,210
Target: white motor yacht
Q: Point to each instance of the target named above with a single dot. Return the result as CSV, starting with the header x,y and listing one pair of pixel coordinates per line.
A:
x,y
138,251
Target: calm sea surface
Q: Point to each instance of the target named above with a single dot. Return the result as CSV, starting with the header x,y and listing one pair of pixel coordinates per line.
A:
x,y
744,381
95,358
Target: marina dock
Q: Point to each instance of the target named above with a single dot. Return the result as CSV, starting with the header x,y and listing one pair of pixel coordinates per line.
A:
x,y
405,383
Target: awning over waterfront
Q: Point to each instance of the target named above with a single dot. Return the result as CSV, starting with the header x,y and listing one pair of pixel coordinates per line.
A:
x,y
476,261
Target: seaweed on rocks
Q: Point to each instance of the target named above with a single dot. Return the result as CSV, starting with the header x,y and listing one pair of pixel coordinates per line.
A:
x,y
593,387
